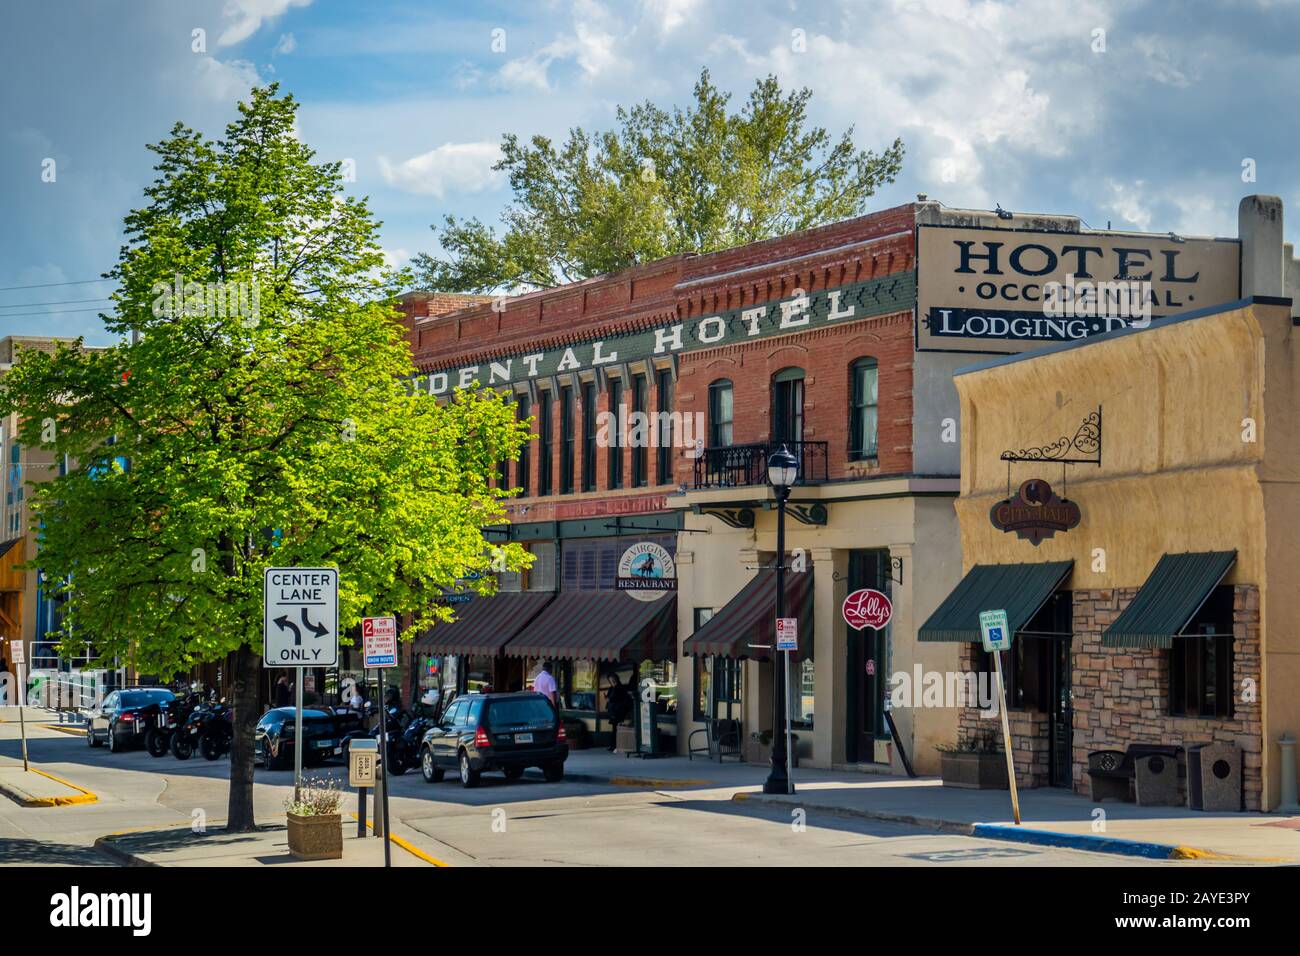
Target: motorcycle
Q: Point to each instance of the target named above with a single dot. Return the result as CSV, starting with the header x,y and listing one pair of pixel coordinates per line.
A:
x,y
209,728
405,733
170,717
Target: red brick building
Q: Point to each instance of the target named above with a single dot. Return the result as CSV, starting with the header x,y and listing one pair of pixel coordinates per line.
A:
x,y
807,341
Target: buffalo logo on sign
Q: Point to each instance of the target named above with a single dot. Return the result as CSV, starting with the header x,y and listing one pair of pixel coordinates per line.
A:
x,y
1035,512
867,607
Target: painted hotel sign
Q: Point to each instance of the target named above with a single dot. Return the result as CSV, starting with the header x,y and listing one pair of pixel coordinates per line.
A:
x,y
991,290
798,313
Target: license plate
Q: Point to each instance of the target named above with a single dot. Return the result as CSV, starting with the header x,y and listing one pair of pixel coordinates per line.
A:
x,y
324,744
523,738
337,751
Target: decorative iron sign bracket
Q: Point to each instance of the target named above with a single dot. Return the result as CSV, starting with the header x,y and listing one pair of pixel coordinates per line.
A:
x,y
1086,441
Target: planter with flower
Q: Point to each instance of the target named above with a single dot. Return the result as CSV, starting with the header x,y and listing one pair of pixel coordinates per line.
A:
x,y
315,825
977,763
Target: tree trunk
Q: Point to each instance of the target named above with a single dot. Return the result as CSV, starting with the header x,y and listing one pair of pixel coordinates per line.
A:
x,y
245,674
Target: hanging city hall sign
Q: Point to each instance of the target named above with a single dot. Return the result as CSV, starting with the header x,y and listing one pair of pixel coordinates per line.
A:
x,y
646,571
1035,512
1008,290
798,313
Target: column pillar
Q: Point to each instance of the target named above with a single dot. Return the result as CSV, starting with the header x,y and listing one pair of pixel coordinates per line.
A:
x,y
830,651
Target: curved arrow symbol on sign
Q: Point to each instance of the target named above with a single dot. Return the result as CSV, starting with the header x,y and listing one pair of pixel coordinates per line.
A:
x,y
318,629
284,624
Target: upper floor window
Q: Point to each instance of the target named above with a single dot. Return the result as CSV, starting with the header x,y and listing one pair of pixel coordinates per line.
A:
x,y
864,417
524,411
589,431
567,452
639,476
664,461
720,398
787,405
615,450
545,444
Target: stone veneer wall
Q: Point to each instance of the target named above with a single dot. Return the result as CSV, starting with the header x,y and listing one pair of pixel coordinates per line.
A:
x,y
1030,744
1121,694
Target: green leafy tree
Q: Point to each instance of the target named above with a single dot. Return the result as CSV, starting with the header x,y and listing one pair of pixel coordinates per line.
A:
x,y
274,430
693,180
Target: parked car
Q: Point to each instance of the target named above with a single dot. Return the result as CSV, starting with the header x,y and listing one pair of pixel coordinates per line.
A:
x,y
125,716
323,733
506,732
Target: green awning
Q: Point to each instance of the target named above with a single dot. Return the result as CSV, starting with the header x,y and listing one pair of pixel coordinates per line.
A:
x,y
1019,589
1172,595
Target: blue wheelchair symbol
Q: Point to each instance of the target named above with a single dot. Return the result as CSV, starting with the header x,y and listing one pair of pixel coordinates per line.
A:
x,y
995,635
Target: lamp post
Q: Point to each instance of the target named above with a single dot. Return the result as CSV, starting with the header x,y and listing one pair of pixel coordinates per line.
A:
x,y
782,472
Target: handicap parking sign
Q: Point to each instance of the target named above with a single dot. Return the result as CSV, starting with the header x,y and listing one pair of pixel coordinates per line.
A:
x,y
995,632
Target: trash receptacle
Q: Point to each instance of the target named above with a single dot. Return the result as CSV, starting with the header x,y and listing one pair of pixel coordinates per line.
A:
x,y
1214,778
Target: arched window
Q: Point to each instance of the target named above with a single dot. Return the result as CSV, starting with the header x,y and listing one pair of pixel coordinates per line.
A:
x,y
864,380
787,405
720,413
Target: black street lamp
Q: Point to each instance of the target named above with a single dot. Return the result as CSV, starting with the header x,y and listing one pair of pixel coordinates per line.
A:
x,y
782,473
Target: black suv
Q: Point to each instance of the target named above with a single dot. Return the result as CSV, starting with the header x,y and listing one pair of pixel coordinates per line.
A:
x,y
507,732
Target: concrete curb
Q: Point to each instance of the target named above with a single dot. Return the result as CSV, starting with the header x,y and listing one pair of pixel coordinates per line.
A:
x,y
108,846
25,799
996,831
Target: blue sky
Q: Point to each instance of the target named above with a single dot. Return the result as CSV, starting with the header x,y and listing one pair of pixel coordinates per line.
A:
x,y
1136,113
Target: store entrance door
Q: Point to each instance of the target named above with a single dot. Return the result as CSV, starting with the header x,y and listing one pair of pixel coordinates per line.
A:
x,y
868,664
1062,716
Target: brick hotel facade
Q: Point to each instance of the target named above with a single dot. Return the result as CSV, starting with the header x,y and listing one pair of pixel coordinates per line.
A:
x,y
806,340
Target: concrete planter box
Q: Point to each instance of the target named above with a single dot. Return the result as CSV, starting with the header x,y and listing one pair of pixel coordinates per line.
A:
x,y
316,838
974,771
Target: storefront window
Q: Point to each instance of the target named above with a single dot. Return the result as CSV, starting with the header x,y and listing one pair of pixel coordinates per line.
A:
x,y
1201,661
718,687
478,673
577,680
663,675
800,692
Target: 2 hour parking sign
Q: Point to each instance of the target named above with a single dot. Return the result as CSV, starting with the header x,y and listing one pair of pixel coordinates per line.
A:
x,y
300,622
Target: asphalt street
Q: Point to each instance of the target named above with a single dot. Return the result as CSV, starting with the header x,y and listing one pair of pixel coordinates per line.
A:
x,y
526,822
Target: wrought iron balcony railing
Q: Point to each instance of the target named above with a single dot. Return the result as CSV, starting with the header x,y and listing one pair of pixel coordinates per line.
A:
x,y
738,465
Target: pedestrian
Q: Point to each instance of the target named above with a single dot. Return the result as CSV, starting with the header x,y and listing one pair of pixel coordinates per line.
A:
x,y
619,705
545,684
282,691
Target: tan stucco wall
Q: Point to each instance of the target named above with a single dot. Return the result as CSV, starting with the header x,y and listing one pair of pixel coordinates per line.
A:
x,y
922,530
1176,473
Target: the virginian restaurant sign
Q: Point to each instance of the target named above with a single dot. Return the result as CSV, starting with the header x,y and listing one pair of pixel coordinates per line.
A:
x,y
798,313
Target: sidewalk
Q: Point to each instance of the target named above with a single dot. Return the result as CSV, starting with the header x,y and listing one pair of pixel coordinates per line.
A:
x,y
37,788
268,846
1048,815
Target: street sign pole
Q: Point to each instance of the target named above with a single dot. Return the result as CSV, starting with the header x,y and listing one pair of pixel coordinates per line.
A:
x,y
789,749
297,737
22,721
383,768
1006,737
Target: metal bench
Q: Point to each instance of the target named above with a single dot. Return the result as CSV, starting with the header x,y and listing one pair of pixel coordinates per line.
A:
x,y
722,739
1151,769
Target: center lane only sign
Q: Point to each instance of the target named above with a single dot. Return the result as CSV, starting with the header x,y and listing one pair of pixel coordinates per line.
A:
x,y
300,621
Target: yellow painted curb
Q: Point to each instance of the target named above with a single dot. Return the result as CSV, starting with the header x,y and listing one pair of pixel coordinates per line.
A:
x,y
76,731
83,795
1195,853
408,847
654,782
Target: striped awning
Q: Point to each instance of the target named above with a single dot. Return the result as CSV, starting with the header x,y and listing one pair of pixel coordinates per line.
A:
x,y
746,625
1173,594
1018,589
601,625
484,625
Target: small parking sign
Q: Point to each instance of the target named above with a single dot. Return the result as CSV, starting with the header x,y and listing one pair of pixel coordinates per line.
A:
x,y
995,632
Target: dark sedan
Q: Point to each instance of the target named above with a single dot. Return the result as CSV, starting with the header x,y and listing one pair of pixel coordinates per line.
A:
x,y
322,736
506,732
124,716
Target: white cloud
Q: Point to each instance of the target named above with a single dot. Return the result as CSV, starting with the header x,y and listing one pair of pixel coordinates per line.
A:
x,y
1129,202
286,44
247,17
668,15
591,46
226,80
459,167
